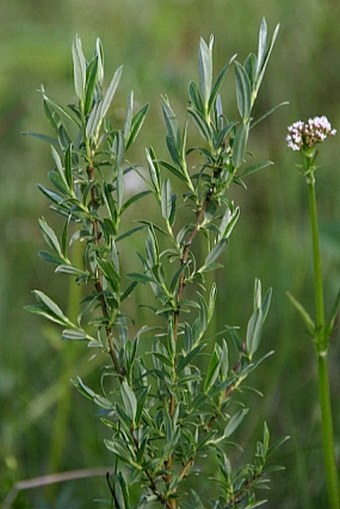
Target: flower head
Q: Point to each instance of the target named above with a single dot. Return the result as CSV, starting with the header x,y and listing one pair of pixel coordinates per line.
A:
x,y
308,134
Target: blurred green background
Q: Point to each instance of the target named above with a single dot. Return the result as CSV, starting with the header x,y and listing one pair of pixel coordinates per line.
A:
x,y
157,42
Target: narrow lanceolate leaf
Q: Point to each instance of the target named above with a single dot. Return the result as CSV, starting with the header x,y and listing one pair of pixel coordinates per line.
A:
x,y
153,170
254,331
195,97
334,313
243,91
49,309
234,422
212,372
249,67
136,125
94,120
260,71
303,313
205,63
50,237
79,68
107,100
267,113
218,83
256,167
201,123
166,199
240,143
262,46
228,223
59,166
214,254
129,400
91,80
75,335
171,123
134,198
100,57
128,117
68,166
42,137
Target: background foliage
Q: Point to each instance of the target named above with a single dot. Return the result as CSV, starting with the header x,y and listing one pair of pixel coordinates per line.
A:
x,y
157,43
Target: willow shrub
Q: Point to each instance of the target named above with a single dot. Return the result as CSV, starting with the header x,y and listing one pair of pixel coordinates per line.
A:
x,y
169,411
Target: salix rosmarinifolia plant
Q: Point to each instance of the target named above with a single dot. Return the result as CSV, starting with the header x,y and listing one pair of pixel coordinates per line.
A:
x,y
304,137
169,411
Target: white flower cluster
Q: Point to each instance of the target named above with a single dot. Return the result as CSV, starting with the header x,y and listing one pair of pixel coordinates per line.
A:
x,y
308,134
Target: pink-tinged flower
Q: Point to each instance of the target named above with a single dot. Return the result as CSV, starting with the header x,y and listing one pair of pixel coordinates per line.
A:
x,y
308,134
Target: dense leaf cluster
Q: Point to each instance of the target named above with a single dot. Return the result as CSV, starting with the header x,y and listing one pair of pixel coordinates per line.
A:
x,y
166,408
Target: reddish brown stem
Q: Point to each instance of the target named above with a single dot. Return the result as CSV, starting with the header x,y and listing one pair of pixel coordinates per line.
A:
x,y
181,286
98,275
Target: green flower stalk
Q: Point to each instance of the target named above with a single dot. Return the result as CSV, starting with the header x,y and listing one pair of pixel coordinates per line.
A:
x,y
303,137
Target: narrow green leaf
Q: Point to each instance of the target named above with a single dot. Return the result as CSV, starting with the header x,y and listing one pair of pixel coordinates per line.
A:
x,y
266,303
91,81
51,195
254,331
166,199
221,135
99,52
234,422
224,360
214,254
173,151
262,46
42,137
218,83
133,199
243,91
205,64
110,203
50,258
240,143
109,272
303,313
136,125
50,237
51,107
94,120
334,313
256,167
79,68
153,170
250,68
68,166
57,160
228,223
120,184
75,335
125,491
212,372
195,97
141,278
201,123
269,112
171,123
128,291
70,270
129,400
107,100
260,70
175,171
128,117
54,311
128,233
